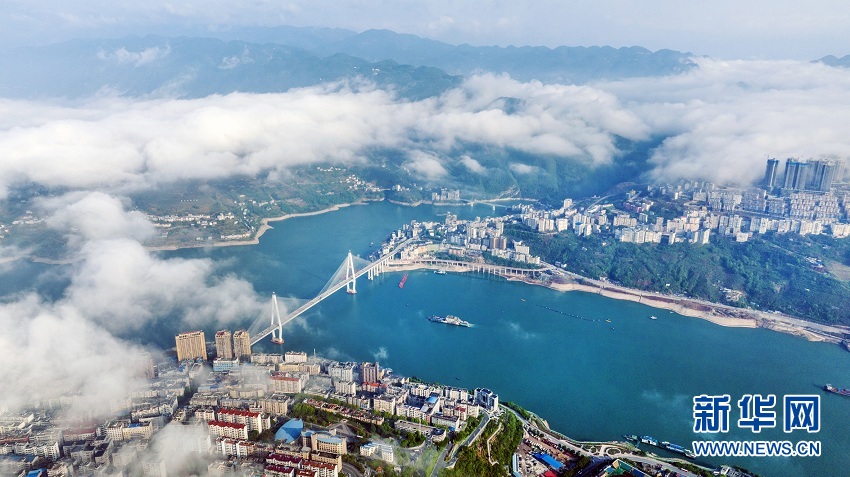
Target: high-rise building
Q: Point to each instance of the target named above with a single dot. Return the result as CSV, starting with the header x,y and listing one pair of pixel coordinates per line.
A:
x,y
242,345
822,174
370,372
223,345
796,174
191,345
149,367
770,173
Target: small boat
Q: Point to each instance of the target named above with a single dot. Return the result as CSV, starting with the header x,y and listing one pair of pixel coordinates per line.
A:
x,y
277,340
402,282
833,389
631,438
450,320
653,317
439,272
607,321
522,299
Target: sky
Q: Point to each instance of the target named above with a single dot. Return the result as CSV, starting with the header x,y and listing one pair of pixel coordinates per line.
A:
x,y
727,29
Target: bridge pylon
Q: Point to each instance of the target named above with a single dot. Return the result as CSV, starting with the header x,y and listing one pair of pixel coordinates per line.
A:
x,y
350,275
277,333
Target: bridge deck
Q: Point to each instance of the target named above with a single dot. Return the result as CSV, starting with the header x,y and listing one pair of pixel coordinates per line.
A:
x,y
330,291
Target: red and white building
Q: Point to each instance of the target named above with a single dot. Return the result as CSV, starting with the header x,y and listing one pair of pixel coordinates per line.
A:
x,y
303,467
228,429
256,421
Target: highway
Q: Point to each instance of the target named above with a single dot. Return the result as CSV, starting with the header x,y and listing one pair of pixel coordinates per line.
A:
x,y
443,461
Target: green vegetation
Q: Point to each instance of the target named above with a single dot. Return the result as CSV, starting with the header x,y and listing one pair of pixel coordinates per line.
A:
x,y
473,460
412,439
310,414
694,468
490,258
388,471
772,272
470,426
519,409
582,462
353,460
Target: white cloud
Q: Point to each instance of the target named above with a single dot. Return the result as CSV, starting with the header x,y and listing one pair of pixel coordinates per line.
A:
x,y
724,118
522,169
473,165
426,165
136,58
73,346
89,216
55,350
720,120
381,355
119,144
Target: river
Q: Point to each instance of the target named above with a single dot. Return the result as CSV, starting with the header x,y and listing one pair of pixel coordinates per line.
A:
x,y
590,378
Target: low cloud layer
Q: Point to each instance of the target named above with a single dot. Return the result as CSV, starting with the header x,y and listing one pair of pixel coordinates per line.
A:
x,y
75,346
720,121
121,144
56,351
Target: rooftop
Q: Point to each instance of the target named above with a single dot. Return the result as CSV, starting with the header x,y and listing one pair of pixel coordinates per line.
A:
x,y
289,431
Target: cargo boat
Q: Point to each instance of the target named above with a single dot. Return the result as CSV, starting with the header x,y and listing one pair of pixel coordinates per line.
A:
x,y
833,389
403,280
668,446
449,320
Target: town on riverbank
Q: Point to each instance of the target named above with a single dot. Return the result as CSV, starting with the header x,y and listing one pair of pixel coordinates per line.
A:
x,y
485,245
221,409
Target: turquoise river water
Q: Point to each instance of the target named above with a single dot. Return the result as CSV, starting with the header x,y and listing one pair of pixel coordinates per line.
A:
x,y
591,379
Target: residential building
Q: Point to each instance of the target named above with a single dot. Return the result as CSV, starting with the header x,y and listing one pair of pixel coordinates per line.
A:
x,y
371,372
223,345
242,345
191,345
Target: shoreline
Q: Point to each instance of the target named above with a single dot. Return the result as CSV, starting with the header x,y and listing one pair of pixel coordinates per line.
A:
x,y
718,314
264,227
723,315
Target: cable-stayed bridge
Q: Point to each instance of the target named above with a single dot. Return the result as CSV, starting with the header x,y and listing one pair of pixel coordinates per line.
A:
x,y
270,322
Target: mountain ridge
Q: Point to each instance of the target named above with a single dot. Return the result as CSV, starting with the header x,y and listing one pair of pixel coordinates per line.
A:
x,y
196,66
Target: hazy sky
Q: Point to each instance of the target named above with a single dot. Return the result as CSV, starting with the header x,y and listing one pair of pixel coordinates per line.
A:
x,y
730,29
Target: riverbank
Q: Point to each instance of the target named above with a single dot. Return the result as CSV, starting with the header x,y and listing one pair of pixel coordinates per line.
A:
x,y
716,313
264,227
